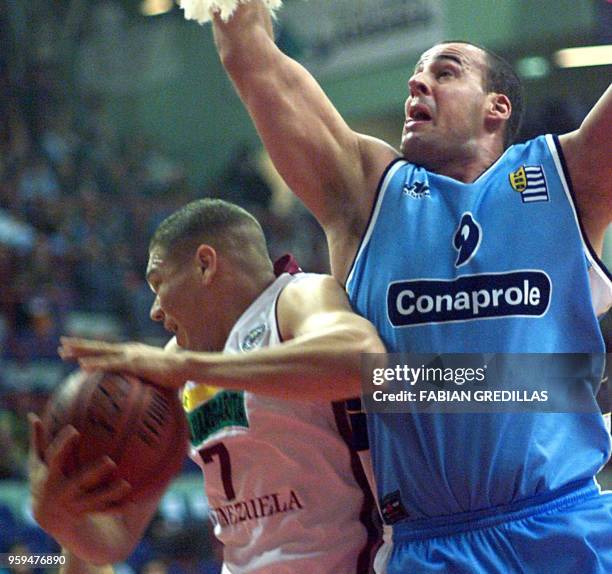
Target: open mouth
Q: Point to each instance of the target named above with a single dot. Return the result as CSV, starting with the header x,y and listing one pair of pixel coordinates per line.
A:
x,y
420,116
418,113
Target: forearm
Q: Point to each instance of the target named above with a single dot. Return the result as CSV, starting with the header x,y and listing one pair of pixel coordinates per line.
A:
x,y
323,367
311,146
246,37
96,540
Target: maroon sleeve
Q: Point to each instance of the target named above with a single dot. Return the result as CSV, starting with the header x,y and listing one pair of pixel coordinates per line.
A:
x,y
286,264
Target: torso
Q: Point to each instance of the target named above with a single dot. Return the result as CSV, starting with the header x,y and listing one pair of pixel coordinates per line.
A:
x,y
278,474
520,278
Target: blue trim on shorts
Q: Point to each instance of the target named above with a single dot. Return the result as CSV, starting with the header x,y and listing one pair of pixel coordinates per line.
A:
x,y
423,529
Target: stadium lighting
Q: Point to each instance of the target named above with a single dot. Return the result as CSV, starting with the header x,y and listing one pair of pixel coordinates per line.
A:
x,y
155,7
533,67
585,56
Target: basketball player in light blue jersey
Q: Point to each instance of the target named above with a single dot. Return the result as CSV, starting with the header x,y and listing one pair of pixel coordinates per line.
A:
x,y
460,243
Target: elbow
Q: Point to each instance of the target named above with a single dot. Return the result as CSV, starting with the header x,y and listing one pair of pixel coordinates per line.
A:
x,y
369,342
367,351
372,355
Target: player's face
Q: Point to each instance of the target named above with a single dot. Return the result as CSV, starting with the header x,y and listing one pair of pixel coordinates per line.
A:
x,y
444,112
178,298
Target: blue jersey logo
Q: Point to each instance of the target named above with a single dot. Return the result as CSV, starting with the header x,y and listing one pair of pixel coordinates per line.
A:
x,y
484,296
467,239
417,190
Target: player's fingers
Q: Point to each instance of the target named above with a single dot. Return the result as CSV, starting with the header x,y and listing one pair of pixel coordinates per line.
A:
x,y
61,449
76,352
37,436
72,348
104,498
84,343
96,474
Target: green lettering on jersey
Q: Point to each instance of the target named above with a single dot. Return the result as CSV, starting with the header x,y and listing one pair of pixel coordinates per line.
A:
x,y
225,409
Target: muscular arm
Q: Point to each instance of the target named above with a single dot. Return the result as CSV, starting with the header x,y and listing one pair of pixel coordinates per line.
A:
x,y
320,358
587,154
328,165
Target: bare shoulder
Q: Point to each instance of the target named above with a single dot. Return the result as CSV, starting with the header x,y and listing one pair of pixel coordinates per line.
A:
x,y
312,293
305,302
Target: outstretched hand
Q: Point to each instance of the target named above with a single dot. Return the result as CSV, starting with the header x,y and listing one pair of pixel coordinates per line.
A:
x,y
162,367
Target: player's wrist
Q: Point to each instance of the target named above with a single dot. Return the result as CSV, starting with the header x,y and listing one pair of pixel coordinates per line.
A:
x,y
223,11
95,540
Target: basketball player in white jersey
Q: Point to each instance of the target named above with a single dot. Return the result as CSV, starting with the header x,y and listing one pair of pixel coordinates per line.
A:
x,y
280,478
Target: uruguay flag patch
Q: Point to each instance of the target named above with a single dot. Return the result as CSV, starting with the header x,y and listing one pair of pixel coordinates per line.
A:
x,y
530,182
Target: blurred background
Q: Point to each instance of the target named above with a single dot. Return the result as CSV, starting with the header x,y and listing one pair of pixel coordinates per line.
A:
x,y
116,112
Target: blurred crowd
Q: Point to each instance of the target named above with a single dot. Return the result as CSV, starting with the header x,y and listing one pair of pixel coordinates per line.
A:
x,y
78,204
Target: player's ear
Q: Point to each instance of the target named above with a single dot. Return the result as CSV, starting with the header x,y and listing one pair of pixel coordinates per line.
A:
x,y
207,262
498,110
499,106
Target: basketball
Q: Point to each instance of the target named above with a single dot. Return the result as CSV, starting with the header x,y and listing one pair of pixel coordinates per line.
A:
x,y
141,427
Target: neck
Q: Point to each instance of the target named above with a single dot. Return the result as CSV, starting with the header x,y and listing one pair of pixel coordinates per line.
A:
x,y
468,162
467,171
238,292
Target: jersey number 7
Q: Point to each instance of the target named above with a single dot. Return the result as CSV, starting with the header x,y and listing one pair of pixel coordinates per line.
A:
x,y
219,450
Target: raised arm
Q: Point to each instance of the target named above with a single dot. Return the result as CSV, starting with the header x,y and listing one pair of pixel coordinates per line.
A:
x,y
82,512
587,153
320,358
329,166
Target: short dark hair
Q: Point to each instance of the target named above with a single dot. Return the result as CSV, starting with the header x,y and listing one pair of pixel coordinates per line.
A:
x,y
207,220
502,78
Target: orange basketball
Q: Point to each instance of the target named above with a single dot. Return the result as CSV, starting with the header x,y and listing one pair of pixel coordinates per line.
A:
x,y
141,427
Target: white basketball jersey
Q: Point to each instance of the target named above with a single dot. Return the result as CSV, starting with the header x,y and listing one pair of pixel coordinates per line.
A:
x,y
278,477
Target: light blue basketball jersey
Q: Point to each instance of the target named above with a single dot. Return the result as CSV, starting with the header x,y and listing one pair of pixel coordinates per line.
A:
x,y
495,266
